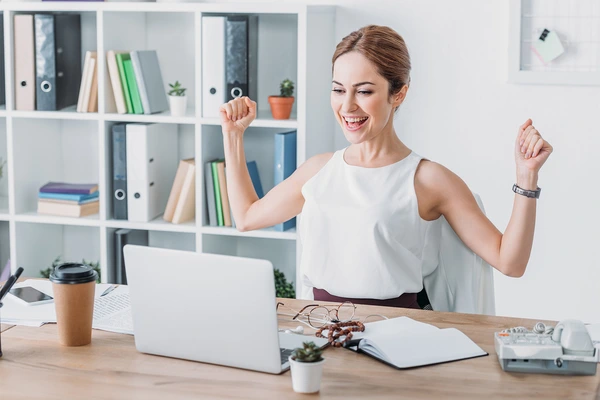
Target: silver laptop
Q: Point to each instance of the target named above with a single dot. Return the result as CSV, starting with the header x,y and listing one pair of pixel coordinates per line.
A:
x,y
207,307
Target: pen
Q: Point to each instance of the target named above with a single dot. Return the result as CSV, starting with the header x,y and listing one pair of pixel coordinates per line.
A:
x,y
10,282
110,289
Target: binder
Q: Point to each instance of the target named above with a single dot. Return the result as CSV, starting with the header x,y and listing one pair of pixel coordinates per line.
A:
x,y
241,36
119,161
24,44
149,81
285,165
57,60
213,65
118,274
152,162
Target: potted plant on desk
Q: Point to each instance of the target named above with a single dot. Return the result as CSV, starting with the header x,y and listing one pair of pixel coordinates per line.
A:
x,y
306,365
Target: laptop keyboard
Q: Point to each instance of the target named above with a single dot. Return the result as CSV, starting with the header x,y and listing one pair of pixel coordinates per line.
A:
x,y
285,354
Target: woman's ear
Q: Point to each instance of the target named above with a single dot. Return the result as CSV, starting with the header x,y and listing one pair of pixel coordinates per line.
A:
x,y
400,96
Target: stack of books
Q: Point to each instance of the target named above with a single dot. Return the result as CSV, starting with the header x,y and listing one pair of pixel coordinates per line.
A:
x,y
181,206
68,199
136,82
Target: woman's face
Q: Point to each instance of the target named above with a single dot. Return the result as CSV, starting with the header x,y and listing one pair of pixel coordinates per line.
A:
x,y
360,98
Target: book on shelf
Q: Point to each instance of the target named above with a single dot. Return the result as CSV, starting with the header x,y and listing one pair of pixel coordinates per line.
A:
x,y
285,165
69,196
218,201
69,188
149,81
136,101
253,171
211,207
121,58
224,193
115,80
181,206
68,210
405,343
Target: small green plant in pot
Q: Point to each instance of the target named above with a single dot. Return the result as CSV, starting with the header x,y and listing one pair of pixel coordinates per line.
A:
x,y
281,106
177,99
306,364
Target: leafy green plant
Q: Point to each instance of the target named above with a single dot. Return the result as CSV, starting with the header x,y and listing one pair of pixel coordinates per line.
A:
x,y
287,88
309,353
176,89
283,288
45,273
2,164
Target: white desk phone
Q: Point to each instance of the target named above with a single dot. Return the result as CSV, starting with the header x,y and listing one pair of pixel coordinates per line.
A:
x,y
566,349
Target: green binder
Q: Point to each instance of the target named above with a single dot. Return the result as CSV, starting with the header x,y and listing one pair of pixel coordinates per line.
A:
x,y
120,57
136,100
218,201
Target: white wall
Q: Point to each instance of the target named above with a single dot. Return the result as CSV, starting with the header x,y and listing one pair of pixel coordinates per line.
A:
x,y
462,113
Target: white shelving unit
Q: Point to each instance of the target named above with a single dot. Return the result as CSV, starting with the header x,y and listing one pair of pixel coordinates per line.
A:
x,y
295,41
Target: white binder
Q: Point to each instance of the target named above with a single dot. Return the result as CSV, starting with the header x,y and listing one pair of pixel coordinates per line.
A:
x,y
152,162
213,65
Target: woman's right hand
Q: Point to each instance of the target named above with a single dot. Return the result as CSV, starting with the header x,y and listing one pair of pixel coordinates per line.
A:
x,y
237,115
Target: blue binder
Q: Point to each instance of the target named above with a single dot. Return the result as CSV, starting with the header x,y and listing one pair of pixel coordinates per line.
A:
x,y
285,165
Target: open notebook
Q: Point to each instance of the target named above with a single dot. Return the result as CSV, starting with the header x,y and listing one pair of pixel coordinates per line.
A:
x,y
405,343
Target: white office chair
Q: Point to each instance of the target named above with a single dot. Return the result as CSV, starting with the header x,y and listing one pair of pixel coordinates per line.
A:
x,y
457,280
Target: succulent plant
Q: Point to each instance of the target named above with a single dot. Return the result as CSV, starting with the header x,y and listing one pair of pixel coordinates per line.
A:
x,y
287,88
309,353
176,89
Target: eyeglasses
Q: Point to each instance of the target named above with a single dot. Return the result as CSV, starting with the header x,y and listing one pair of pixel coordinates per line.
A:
x,y
318,316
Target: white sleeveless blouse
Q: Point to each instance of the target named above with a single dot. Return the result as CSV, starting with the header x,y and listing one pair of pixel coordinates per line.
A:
x,y
361,232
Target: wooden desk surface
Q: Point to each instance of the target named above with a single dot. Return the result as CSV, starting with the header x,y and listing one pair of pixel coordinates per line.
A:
x,y
35,366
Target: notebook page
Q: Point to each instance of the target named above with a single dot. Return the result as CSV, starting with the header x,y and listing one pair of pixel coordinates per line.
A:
x,y
113,312
395,325
408,349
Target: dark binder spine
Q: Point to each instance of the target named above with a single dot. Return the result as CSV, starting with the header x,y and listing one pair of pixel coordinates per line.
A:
x,y
2,72
236,56
45,62
67,33
119,140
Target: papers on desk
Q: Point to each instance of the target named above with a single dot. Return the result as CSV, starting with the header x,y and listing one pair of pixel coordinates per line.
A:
x,y
111,312
405,343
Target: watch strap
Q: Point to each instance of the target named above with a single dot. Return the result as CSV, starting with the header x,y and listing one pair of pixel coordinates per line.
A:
x,y
534,194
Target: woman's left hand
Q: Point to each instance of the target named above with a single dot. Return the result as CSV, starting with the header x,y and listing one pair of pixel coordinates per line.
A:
x,y
531,150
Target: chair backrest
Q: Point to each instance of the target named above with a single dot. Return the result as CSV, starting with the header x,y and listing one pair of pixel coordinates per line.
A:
x,y
458,280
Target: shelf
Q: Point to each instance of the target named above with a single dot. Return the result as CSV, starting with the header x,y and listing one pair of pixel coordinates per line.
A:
x,y
263,120
4,215
33,216
66,113
164,117
268,233
158,224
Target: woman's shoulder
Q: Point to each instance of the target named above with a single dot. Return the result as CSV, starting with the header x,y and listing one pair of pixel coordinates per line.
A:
x,y
313,166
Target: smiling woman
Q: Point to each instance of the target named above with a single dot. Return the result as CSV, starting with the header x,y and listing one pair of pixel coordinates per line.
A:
x,y
369,210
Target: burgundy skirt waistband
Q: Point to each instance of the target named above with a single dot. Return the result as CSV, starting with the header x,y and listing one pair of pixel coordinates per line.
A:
x,y
406,300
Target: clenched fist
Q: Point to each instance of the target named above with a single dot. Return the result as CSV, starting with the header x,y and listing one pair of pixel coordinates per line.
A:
x,y
531,150
237,115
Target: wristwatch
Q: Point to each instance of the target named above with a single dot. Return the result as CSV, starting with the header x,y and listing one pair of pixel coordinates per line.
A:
x,y
534,194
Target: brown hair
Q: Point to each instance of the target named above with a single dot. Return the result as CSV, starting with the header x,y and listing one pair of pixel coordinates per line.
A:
x,y
385,48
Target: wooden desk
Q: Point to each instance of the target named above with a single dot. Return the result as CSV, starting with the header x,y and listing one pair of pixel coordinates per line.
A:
x,y
35,366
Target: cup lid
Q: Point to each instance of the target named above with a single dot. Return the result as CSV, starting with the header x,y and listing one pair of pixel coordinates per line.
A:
x,y
73,273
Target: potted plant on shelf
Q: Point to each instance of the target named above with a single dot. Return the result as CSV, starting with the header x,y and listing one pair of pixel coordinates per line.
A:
x,y
281,106
177,99
306,365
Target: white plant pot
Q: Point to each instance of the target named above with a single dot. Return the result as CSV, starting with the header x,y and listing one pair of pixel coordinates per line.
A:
x,y
306,377
178,105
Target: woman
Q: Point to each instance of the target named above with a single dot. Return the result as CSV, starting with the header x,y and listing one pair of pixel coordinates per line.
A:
x,y
368,210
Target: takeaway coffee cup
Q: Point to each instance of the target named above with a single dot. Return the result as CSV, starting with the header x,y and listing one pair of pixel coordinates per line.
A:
x,y
74,286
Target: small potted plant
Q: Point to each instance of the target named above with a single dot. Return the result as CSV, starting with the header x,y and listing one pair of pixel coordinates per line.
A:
x,y
281,106
306,365
177,99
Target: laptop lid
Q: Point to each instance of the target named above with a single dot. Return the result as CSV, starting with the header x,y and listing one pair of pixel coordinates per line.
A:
x,y
204,307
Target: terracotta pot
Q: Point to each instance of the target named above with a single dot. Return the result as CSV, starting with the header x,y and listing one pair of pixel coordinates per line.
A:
x,y
281,107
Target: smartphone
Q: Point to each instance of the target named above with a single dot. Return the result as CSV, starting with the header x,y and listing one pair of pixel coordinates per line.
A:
x,y
30,296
